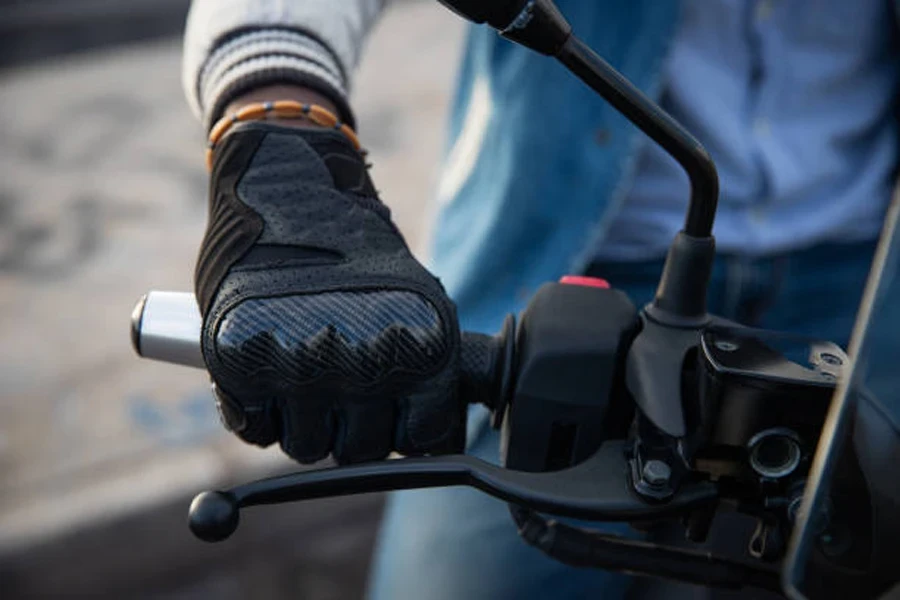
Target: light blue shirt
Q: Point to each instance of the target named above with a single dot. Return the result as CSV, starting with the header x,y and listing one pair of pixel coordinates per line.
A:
x,y
794,99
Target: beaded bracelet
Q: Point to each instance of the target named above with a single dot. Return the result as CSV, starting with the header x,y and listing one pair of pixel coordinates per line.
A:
x,y
285,109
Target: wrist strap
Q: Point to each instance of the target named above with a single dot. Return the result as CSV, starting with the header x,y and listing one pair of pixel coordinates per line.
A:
x,y
285,109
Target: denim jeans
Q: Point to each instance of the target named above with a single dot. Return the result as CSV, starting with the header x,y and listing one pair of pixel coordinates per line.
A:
x,y
456,543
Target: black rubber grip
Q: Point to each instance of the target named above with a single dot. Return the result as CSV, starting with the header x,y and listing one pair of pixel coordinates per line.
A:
x,y
480,362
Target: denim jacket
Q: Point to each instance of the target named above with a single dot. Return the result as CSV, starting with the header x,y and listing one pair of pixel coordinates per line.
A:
x,y
538,165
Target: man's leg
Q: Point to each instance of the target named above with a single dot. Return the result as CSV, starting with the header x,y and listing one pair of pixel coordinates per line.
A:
x,y
819,291
454,543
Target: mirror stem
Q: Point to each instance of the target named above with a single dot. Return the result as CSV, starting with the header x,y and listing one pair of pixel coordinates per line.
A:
x,y
659,126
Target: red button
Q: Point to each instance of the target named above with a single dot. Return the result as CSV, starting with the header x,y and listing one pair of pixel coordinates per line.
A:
x,y
594,282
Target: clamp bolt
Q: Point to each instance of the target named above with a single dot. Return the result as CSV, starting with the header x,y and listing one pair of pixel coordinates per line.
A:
x,y
656,473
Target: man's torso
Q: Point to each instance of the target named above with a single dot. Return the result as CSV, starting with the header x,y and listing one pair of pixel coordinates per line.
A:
x,y
795,102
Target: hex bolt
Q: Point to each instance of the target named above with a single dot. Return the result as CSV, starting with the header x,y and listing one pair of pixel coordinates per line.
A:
x,y
656,473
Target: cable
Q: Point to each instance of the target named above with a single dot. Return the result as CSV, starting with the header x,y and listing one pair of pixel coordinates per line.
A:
x,y
583,548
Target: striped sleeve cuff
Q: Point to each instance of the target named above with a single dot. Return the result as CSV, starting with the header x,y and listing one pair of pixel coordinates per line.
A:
x,y
259,57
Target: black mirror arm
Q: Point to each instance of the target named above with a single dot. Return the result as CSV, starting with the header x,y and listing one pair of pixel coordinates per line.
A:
x,y
540,26
657,124
681,295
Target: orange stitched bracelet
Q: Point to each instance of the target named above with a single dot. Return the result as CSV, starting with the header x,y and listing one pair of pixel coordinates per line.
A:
x,y
285,109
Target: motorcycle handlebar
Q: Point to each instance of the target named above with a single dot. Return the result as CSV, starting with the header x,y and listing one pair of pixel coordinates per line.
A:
x,y
166,326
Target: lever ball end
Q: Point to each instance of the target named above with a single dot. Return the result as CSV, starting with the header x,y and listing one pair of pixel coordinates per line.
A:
x,y
213,516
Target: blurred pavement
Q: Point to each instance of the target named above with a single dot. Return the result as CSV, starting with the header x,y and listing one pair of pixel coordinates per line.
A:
x,y
32,30
102,197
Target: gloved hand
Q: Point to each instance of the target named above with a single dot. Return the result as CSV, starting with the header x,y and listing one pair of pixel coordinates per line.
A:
x,y
320,329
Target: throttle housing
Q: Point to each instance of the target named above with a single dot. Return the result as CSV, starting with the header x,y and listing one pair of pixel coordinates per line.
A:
x,y
569,393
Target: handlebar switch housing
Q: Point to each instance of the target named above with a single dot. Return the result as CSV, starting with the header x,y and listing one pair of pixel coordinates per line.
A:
x,y
569,393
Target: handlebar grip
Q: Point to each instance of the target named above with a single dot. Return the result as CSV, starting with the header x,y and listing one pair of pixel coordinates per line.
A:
x,y
166,326
480,356
486,368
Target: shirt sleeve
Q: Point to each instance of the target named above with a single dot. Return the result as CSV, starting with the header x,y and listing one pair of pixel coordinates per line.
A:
x,y
232,46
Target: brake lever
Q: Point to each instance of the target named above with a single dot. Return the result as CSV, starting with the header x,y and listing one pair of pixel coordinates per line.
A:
x,y
597,489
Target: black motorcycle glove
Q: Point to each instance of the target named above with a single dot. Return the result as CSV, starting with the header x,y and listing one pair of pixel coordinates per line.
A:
x,y
320,329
